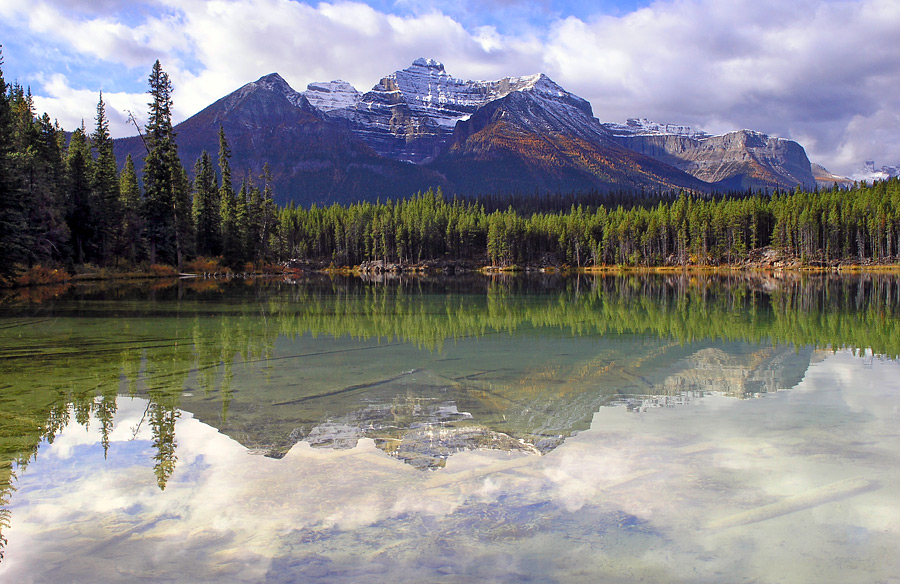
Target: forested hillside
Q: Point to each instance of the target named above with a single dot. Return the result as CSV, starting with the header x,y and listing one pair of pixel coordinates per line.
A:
x,y
65,204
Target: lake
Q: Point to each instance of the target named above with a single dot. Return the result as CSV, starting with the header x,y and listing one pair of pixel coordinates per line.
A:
x,y
658,428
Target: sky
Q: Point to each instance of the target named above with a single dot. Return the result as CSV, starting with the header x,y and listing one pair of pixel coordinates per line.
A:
x,y
823,72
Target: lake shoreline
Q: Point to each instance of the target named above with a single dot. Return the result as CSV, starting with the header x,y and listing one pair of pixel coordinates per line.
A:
x,y
418,270
764,261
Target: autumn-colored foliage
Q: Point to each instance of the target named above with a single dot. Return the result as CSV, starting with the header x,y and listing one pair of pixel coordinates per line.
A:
x,y
163,271
205,265
39,274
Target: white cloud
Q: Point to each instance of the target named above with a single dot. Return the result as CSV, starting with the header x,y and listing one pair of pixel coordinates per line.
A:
x,y
107,38
807,68
72,106
824,71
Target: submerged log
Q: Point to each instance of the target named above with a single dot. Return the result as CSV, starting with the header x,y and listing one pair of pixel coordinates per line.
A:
x,y
807,500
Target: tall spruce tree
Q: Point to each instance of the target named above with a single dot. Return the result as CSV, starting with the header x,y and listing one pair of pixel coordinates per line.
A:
x,y
49,231
13,228
78,197
253,230
239,255
166,195
130,243
207,213
231,227
38,170
184,218
106,206
268,215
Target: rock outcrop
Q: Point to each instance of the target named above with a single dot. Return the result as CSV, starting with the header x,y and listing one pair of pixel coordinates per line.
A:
x,y
736,161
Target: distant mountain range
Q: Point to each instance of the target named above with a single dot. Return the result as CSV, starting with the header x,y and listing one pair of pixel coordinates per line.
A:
x,y
421,128
870,173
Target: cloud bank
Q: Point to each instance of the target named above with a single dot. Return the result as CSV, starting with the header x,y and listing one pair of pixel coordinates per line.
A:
x,y
822,72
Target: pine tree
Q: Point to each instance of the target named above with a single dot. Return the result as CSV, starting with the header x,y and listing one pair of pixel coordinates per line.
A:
x,y
253,226
241,235
231,227
166,191
184,219
206,210
13,228
130,244
38,170
269,216
106,207
78,196
47,225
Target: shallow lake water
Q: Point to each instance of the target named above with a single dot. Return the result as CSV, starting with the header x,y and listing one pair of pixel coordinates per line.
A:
x,y
535,429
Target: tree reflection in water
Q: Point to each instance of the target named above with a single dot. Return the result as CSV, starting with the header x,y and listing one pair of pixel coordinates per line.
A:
x,y
70,356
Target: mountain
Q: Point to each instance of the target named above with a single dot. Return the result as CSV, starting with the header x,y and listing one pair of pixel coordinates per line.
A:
x,y
869,173
332,95
426,415
311,158
517,134
540,138
421,128
738,160
827,179
411,114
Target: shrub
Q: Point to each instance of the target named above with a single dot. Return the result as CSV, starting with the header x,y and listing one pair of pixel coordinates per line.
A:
x,y
204,265
39,274
162,270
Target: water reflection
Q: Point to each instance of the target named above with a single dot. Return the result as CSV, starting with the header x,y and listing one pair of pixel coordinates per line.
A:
x,y
329,376
655,496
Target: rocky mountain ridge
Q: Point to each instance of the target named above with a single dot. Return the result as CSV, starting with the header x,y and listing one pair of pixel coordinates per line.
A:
x,y
645,127
424,416
870,173
411,114
738,160
421,128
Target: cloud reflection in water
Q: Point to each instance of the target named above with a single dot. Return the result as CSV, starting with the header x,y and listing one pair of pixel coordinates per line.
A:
x,y
631,499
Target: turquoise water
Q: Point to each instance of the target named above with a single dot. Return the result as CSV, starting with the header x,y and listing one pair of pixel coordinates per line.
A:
x,y
654,429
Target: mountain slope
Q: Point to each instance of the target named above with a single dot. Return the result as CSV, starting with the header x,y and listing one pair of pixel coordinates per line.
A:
x,y
411,114
827,179
541,139
312,159
421,128
738,160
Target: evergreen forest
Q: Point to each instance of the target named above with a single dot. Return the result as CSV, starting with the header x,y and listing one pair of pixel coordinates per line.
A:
x,y
65,204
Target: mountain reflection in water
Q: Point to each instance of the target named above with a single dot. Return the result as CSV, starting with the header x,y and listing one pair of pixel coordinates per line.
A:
x,y
419,369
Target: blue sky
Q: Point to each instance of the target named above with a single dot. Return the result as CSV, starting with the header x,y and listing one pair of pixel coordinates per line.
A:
x,y
823,72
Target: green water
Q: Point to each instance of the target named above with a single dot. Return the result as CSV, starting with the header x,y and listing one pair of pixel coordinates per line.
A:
x,y
546,429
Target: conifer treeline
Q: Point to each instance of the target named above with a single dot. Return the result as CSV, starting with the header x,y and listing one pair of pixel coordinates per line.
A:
x,y
861,224
67,204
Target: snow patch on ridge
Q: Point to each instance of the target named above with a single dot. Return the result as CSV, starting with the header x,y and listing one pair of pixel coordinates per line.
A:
x,y
645,127
274,83
869,173
428,91
331,95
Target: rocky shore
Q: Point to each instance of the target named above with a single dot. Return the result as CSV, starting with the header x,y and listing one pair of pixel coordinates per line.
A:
x,y
763,259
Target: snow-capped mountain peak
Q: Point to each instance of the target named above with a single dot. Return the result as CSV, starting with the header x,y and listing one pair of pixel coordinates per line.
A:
x,y
539,83
272,83
425,102
870,173
427,89
645,127
331,95
428,64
